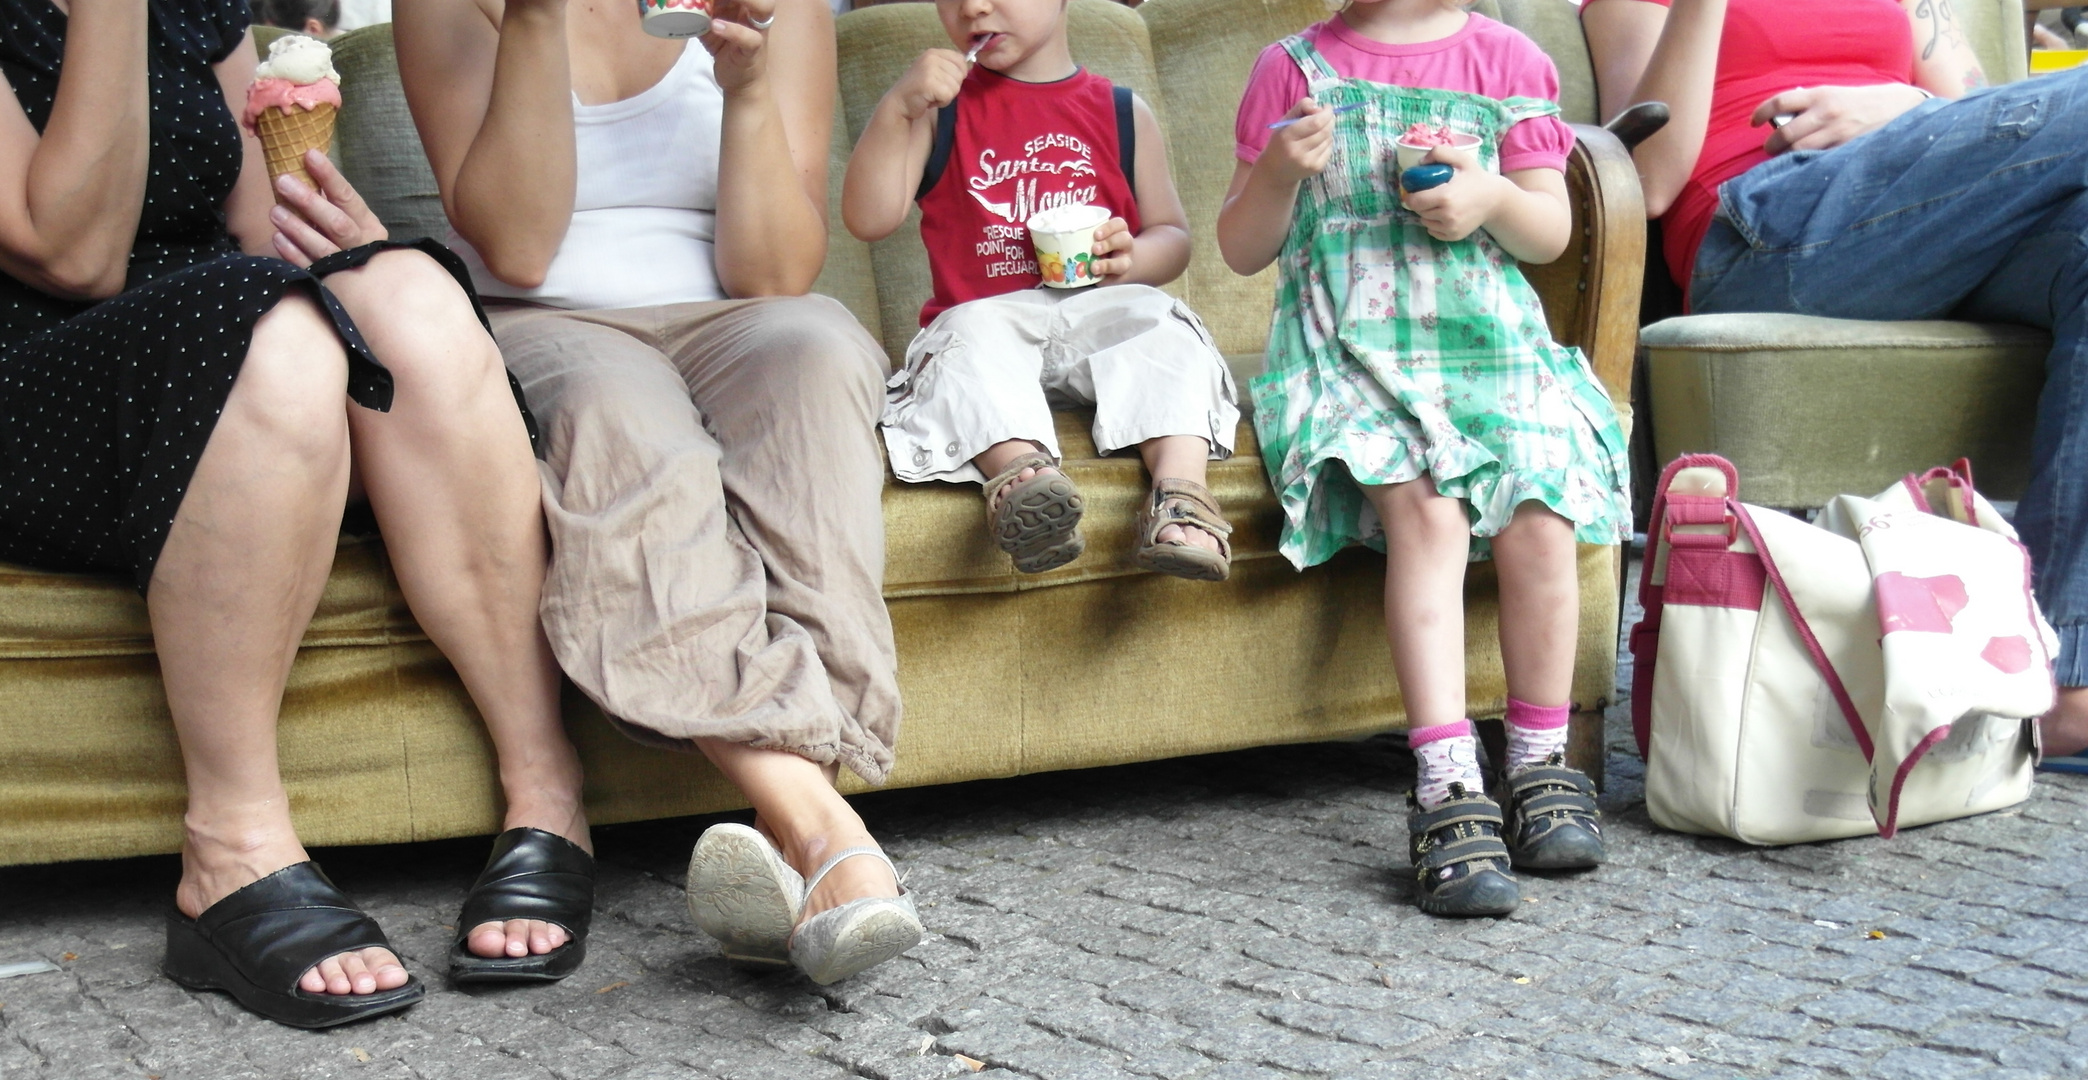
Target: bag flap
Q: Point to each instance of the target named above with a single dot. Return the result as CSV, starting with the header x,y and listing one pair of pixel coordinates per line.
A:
x,y
1962,639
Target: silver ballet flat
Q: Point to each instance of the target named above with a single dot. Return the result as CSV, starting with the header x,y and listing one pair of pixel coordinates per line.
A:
x,y
743,893
858,935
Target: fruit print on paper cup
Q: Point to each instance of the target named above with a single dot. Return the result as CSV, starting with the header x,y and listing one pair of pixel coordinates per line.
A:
x,y
1064,237
676,18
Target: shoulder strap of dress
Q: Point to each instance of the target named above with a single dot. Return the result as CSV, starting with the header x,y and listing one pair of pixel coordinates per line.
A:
x,y
1520,109
939,150
1127,135
1319,75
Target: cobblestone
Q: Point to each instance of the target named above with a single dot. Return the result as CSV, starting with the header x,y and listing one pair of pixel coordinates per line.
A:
x,y
1236,917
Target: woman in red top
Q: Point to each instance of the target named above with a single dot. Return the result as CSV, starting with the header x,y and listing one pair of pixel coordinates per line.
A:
x,y
1845,158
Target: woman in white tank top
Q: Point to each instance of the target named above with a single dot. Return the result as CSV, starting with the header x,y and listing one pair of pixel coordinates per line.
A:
x,y
645,217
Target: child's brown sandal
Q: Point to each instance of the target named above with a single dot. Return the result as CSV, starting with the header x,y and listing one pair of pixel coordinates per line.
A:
x,y
1036,521
1191,506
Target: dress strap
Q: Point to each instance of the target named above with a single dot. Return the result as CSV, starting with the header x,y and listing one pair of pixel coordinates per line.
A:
x,y
1519,109
1319,75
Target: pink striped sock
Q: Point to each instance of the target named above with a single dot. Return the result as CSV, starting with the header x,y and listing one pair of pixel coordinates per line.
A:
x,y
1535,733
1443,755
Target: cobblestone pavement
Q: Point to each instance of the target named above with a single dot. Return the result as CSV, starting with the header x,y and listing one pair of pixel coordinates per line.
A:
x,y
1221,918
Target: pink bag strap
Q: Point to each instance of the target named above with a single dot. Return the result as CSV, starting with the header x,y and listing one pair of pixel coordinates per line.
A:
x,y
1669,511
1804,628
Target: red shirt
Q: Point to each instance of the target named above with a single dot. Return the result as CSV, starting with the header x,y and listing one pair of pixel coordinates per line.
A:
x,y
1018,148
1771,46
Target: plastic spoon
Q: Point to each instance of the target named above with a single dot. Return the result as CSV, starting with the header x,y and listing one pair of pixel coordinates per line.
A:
x,y
979,46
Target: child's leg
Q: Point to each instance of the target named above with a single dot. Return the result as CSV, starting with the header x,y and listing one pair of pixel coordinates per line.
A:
x,y
1454,831
1180,457
1540,621
1553,823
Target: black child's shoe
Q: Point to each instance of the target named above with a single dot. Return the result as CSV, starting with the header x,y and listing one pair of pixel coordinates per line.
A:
x,y
1460,864
1553,823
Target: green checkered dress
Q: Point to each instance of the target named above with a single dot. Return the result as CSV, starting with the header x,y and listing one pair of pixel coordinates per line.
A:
x,y
1393,353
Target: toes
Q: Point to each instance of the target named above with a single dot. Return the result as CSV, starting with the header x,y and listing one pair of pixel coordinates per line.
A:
x,y
385,969
312,982
540,938
335,980
488,940
518,937
360,981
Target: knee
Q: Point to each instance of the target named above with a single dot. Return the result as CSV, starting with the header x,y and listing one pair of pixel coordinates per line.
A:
x,y
822,346
292,386
422,327
1536,531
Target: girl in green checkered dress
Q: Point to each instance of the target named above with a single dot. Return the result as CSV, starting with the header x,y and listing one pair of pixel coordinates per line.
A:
x,y
1415,401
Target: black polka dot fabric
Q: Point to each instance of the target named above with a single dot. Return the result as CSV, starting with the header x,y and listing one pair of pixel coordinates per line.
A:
x,y
105,407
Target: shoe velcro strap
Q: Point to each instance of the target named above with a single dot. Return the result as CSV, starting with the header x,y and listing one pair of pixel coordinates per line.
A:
x,y
1551,776
1464,849
1482,814
1556,802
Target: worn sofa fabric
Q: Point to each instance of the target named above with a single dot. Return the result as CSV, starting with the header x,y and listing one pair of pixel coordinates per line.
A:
x,y
1096,663
1808,408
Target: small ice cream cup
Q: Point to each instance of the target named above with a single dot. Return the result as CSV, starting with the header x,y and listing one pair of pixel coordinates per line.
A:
x,y
1410,156
1064,237
675,18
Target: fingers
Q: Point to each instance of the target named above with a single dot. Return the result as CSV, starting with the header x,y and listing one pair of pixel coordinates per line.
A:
x,y
332,184
1790,101
729,35
1461,160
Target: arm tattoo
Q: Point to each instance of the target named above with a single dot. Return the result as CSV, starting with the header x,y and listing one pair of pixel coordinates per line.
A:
x,y
1943,26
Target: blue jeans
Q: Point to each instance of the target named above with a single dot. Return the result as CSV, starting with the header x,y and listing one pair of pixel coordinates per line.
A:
x,y
1973,209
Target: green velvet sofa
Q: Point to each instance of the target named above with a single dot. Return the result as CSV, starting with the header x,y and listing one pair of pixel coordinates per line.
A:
x,y
1809,408
1094,664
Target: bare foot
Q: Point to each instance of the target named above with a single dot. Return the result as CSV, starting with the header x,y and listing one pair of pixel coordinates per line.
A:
x,y
852,880
525,937
217,862
1188,536
2065,728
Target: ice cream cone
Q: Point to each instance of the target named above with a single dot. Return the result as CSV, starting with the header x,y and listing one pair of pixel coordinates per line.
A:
x,y
287,134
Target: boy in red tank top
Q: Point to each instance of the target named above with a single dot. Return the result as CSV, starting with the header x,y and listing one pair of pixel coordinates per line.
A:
x,y
985,141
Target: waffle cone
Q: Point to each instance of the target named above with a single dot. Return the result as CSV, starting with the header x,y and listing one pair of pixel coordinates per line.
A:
x,y
285,136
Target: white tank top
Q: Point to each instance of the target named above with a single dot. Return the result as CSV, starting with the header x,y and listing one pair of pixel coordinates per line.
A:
x,y
645,205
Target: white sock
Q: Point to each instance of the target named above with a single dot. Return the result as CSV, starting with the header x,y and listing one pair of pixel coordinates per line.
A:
x,y
1443,755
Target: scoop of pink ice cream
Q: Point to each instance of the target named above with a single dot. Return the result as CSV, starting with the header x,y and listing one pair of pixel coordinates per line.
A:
x,y
1426,134
288,96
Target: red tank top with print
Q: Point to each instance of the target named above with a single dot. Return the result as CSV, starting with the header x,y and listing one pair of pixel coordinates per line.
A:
x,y
1004,150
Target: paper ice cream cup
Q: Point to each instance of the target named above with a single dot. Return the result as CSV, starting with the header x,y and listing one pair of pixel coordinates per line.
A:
x,y
676,18
1410,156
1064,237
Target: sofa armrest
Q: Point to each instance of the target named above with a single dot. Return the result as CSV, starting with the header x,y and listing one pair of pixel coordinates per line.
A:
x,y
1591,292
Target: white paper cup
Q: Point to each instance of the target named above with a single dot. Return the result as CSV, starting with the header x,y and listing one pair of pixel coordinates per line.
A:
x,y
1410,156
1064,237
675,18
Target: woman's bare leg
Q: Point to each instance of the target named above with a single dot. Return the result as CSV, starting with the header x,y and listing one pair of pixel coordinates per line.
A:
x,y
234,588
449,474
796,805
1540,604
1427,540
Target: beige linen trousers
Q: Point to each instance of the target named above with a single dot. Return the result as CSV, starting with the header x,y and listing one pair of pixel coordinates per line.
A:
x,y
712,482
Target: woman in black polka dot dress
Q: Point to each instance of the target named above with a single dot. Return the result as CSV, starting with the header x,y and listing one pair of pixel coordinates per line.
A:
x,y
193,382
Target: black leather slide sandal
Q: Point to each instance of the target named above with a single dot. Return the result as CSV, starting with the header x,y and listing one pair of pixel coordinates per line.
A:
x,y
532,874
258,942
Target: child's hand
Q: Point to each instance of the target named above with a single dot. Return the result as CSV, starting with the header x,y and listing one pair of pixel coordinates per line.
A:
x,y
1459,208
1300,150
930,84
1113,241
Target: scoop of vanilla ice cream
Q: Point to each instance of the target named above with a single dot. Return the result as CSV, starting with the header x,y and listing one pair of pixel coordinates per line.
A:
x,y
299,59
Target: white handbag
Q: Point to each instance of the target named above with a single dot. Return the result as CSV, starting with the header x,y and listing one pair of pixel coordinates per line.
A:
x,y
1795,682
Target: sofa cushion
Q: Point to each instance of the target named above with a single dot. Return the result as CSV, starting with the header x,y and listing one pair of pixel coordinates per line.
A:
x,y
1810,408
